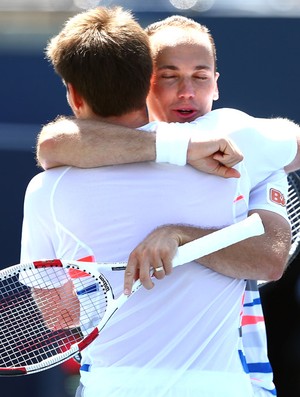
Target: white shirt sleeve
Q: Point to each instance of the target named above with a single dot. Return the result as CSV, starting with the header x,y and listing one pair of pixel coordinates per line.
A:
x,y
271,194
37,228
37,236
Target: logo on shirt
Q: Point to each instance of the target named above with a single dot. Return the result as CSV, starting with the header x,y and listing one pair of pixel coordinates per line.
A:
x,y
238,198
277,197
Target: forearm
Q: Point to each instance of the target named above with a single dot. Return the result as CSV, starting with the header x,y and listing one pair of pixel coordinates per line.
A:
x,y
90,143
258,258
86,144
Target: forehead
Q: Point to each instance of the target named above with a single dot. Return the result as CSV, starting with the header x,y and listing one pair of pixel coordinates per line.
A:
x,y
171,37
176,45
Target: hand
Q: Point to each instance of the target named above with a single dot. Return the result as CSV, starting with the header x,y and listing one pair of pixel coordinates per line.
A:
x,y
156,251
58,313
214,156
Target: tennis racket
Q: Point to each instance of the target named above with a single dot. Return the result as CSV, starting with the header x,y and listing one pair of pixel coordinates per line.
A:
x,y
51,310
293,210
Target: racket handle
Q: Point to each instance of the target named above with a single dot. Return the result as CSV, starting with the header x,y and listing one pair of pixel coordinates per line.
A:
x,y
249,227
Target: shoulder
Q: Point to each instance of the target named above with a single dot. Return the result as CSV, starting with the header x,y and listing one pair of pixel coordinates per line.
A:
x,y
224,120
277,129
45,180
274,138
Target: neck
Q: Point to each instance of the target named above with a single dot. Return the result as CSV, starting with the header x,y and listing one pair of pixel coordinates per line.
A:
x,y
134,119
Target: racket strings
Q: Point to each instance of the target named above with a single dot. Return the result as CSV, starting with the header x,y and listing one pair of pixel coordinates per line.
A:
x,y
92,298
37,323
19,318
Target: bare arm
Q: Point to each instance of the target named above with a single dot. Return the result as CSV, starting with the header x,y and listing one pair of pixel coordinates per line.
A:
x,y
90,143
258,258
63,143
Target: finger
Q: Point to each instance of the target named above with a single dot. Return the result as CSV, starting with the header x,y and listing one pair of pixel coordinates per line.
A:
x,y
145,274
230,151
228,161
130,275
225,167
230,172
228,158
224,171
168,265
159,271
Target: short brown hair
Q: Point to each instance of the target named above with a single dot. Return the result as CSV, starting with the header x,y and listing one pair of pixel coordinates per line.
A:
x,y
105,54
182,22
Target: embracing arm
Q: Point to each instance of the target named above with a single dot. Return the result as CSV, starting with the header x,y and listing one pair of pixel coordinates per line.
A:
x,y
259,258
87,143
90,143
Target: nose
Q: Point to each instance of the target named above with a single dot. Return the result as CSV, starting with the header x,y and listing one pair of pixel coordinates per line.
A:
x,y
186,89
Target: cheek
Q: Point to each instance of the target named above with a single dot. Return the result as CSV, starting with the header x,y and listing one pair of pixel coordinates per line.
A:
x,y
157,94
157,105
208,92
166,92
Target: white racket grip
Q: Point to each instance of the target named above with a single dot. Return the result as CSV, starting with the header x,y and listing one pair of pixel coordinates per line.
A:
x,y
250,227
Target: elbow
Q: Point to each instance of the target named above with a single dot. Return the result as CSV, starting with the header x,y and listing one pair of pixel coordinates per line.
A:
x,y
275,275
44,153
275,268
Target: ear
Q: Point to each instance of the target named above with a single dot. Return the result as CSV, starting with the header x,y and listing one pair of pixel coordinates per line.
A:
x,y
216,94
75,100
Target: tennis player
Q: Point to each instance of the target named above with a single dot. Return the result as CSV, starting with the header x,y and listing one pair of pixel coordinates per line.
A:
x,y
177,93
157,344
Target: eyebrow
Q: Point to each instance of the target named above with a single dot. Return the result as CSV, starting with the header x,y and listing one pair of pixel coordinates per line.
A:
x,y
172,67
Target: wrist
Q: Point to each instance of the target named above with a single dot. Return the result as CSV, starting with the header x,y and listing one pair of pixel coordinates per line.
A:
x,y
171,144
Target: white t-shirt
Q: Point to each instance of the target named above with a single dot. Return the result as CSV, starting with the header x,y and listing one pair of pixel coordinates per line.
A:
x,y
180,338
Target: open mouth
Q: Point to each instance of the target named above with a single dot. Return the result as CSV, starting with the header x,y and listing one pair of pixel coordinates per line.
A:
x,y
186,113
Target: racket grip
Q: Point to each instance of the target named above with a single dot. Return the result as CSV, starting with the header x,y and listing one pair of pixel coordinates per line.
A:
x,y
249,227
